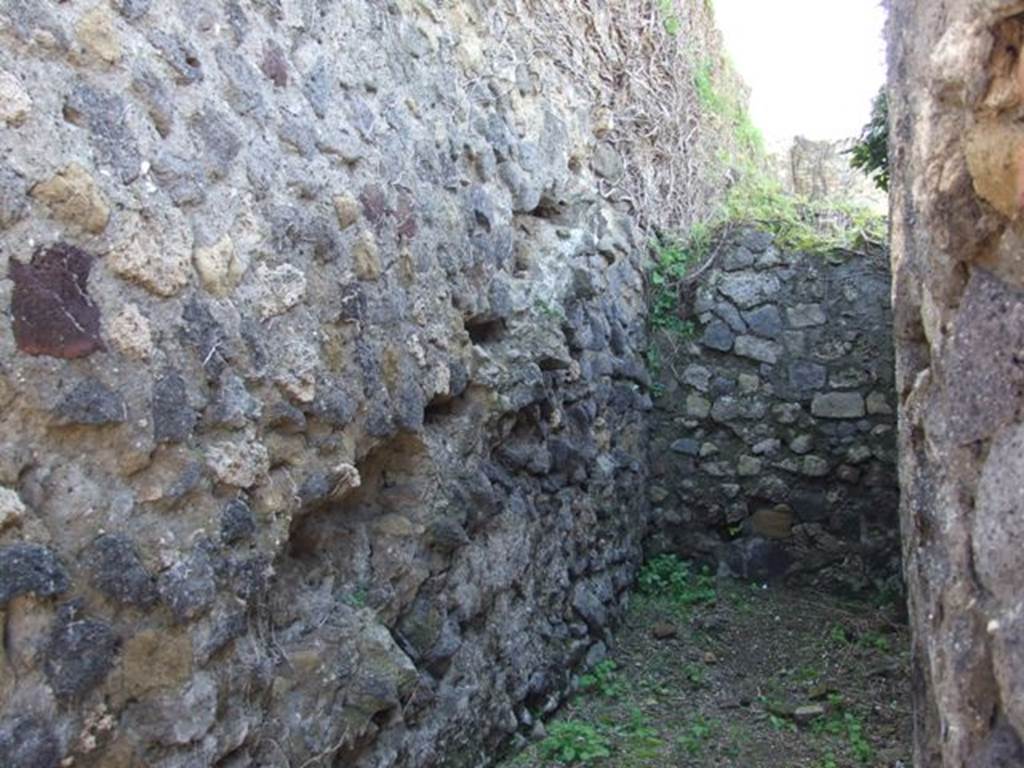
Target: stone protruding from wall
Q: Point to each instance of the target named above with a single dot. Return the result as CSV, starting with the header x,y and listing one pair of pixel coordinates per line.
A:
x,y
957,154
774,445
322,396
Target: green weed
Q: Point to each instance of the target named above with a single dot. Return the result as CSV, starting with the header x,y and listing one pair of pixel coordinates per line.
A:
x,y
695,735
667,576
603,679
574,742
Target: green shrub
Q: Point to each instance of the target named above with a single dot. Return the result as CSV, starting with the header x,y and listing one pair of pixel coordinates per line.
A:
x,y
870,154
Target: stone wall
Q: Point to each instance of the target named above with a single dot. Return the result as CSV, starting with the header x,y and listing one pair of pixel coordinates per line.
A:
x,y
774,444
322,405
956,148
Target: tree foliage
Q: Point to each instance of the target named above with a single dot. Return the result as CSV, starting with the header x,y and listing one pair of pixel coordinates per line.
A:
x,y
871,152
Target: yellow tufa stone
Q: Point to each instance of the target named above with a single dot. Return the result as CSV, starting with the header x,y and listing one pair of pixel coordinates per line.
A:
x,y
73,198
98,36
995,160
220,267
15,103
366,257
130,333
162,269
346,208
153,660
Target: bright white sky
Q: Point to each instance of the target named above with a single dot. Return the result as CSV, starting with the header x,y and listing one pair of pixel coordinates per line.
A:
x,y
813,65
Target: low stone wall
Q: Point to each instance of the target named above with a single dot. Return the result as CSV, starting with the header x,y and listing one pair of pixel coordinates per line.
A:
x,y
774,448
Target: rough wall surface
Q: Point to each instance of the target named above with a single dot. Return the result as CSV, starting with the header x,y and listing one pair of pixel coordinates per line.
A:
x,y
957,151
322,433
774,432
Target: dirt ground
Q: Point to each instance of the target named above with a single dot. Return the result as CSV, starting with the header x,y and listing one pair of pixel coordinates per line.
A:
x,y
708,673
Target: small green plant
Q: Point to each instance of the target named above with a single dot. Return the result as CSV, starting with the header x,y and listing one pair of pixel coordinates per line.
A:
x,y
574,742
603,679
669,19
695,735
845,723
672,258
696,674
667,576
838,635
642,741
356,598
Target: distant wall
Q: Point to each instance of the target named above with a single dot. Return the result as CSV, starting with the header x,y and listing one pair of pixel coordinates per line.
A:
x,y
774,437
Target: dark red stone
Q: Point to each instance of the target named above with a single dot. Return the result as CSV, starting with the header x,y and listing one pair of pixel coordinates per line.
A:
x,y
51,309
406,216
375,203
274,65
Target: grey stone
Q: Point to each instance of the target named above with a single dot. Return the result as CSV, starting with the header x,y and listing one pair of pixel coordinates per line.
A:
x,y
748,466
765,321
181,178
79,656
767,447
104,116
718,336
802,444
237,522
748,383
814,466
155,94
756,240
133,9
748,290
179,55
878,404
698,377
806,315
731,316
30,569
848,378
188,586
173,417
686,446
807,376
606,162
770,259
762,350
838,405
737,258
725,409
997,517
92,403
26,741
243,91
219,138
233,407
787,413
13,203
335,406
117,571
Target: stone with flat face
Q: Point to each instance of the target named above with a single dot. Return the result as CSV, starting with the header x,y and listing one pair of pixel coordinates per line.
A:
x,y
748,290
838,405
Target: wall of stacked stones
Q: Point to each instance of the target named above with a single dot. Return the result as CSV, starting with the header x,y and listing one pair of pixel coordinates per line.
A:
x,y
956,148
322,402
774,446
